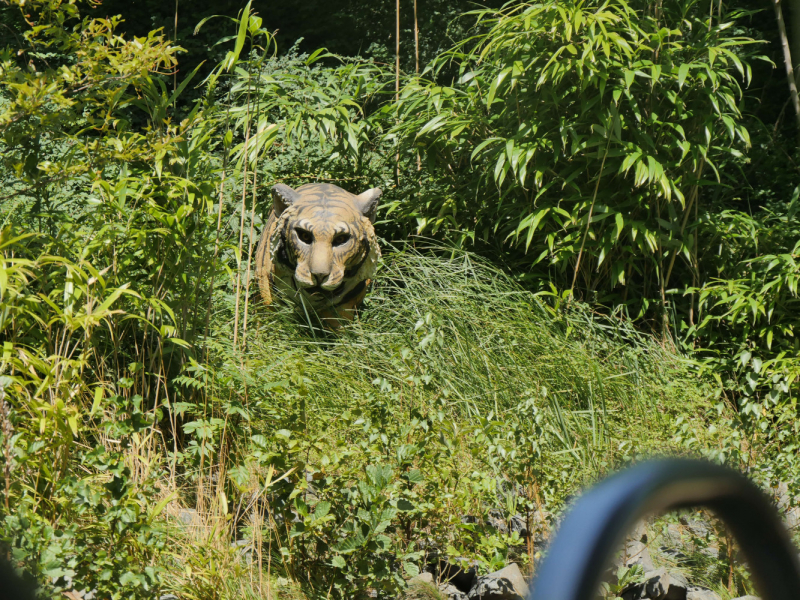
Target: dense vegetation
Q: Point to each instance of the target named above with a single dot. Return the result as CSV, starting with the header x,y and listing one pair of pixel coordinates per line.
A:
x,y
590,256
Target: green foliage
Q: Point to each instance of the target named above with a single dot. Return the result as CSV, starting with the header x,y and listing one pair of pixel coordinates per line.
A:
x,y
79,515
579,133
456,394
139,374
113,200
746,331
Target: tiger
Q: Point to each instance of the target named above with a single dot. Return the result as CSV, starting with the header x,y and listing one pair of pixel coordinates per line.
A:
x,y
319,249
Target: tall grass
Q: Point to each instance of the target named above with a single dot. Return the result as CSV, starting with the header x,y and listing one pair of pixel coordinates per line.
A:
x,y
451,330
512,390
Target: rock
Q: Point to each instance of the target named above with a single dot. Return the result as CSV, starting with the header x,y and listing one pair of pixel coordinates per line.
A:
x,y
518,525
451,592
168,597
787,507
636,553
639,533
658,585
673,535
496,520
423,586
747,598
505,584
673,553
459,572
426,578
245,549
696,527
678,587
189,517
696,593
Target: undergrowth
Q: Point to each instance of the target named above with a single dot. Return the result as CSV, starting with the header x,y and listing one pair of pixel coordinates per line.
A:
x,y
161,431
455,405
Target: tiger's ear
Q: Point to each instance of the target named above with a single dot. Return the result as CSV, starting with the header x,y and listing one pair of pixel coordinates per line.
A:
x,y
282,198
367,203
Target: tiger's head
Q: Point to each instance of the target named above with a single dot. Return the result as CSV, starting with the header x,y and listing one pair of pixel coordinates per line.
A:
x,y
324,242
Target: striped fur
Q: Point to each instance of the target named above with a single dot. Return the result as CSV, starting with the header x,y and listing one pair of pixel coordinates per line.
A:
x,y
319,249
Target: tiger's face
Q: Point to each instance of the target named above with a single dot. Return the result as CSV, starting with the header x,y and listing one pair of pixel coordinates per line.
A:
x,y
325,234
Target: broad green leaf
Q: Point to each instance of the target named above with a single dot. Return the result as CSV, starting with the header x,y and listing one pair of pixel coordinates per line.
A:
x,y
244,21
683,71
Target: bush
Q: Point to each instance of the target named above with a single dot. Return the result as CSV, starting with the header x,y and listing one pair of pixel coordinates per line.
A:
x,y
456,402
577,140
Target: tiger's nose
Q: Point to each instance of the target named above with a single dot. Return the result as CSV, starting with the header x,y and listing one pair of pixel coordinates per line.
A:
x,y
320,266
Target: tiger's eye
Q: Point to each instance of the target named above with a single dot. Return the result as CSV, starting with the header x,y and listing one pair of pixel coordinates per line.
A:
x,y
340,239
304,235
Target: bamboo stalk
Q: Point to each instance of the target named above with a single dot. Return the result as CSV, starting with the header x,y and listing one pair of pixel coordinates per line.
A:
x,y
241,221
416,37
416,56
175,39
794,29
397,55
252,215
249,261
787,59
397,84
589,218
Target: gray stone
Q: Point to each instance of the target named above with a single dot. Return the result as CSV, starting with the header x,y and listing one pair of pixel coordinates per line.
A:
x,y
787,506
518,525
696,593
639,533
451,592
245,549
673,535
678,587
505,584
696,527
673,553
423,585
636,553
658,585
495,519
426,578
189,517
168,597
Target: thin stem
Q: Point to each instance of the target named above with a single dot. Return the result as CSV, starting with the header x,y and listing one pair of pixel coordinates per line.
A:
x,y
397,55
175,39
249,261
787,59
686,213
241,220
589,218
397,84
416,37
416,56
252,211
